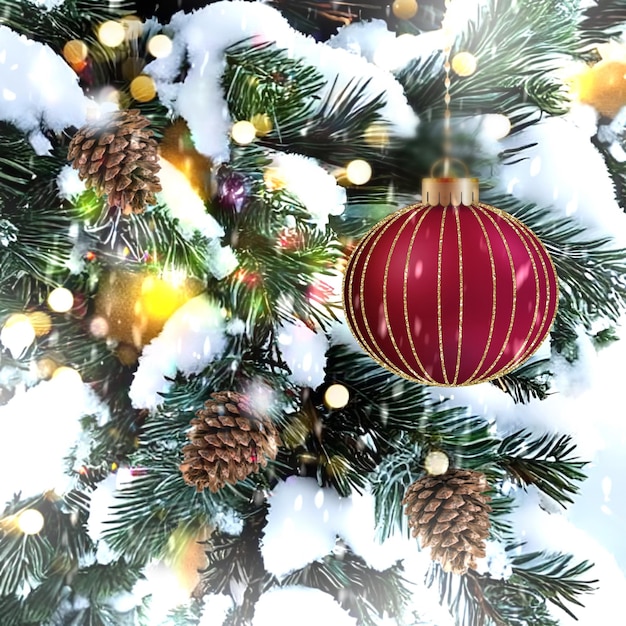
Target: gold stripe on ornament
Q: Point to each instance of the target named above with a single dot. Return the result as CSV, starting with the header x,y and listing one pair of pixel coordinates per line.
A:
x,y
381,231
439,326
494,295
537,246
356,255
385,302
487,214
516,360
425,212
460,335
356,331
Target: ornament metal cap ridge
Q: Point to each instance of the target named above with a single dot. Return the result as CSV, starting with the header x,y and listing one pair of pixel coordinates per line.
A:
x,y
449,190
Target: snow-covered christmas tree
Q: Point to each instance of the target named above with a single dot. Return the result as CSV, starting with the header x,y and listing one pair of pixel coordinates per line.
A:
x,y
189,432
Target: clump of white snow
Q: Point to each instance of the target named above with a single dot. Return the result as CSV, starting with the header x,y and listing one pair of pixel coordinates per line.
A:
x,y
316,189
304,351
304,521
50,412
47,5
69,183
565,171
199,97
189,341
215,608
312,607
38,89
184,204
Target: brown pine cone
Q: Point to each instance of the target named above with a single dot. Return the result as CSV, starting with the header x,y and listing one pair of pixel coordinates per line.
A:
x,y
229,441
119,159
450,513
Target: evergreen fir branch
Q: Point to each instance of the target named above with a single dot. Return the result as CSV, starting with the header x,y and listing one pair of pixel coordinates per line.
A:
x,y
364,592
186,615
141,524
274,282
603,21
24,560
337,131
529,39
605,337
40,604
152,235
479,600
528,382
99,582
100,615
72,20
545,462
263,79
617,170
553,577
393,476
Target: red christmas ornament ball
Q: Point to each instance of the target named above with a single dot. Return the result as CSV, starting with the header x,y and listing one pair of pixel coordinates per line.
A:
x,y
450,295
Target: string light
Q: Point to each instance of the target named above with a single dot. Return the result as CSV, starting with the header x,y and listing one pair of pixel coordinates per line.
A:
x,y
111,34
358,172
160,46
464,64
30,521
243,132
336,396
60,300
143,88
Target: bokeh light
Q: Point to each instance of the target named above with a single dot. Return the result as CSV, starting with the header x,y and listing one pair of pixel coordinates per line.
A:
x,y
496,126
359,172
436,463
405,9
377,134
243,132
60,300
160,46
46,367
143,88
262,123
111,33
336,396
75,51
67,375
17,334
41,322
464,63
99,327
30,521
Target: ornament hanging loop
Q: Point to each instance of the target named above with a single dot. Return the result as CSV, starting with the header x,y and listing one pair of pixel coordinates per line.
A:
x,y
449,190
447,162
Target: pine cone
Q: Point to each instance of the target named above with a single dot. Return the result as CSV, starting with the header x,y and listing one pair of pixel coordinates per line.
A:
x,y
450,513
229,441
119,159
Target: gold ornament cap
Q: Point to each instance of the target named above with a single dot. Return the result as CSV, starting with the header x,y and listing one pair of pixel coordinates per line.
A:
x,y
449,190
